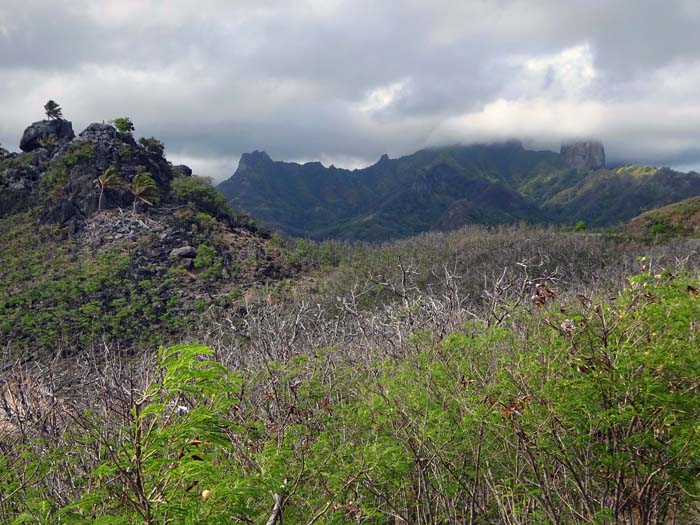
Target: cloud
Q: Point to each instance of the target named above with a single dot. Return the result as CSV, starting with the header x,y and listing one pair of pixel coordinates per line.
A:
x,y
532,118
381,98
559,97
549,99
568,73
345,81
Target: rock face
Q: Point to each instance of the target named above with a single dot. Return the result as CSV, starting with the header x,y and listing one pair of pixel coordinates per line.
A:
x,y
252,161
58,174
16,186
588,155
57,131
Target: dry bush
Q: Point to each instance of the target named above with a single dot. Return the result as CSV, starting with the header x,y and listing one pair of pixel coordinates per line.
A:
x,y
380,304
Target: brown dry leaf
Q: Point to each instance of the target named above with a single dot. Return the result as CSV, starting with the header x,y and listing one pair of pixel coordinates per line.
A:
x,y
585,301
567,326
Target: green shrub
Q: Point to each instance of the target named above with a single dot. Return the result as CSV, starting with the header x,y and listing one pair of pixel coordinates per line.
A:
x,y
52,184
205,256
124,125
77,153
153,146
126,153
169,462
567,414
660,229
199,193
584,416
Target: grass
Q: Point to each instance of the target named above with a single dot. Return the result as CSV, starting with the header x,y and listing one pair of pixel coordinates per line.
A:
x,y
637,171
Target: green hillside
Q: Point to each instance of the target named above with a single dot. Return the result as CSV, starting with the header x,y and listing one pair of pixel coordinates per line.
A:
x,y
678,219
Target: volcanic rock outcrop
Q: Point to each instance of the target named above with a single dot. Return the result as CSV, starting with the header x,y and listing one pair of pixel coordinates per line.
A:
x,y
61,172
46,132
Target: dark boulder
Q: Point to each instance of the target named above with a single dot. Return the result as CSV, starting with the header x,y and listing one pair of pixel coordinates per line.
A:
x,y
40,133
66,213
97,131
40,156
185,252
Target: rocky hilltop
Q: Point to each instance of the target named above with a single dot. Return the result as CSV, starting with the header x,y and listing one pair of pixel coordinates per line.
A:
x,y
446,188
61,172
105,241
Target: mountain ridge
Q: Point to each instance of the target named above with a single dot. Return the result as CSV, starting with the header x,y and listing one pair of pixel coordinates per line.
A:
x,y
448,187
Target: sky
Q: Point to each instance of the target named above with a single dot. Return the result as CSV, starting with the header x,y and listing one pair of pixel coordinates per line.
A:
x,y
345,81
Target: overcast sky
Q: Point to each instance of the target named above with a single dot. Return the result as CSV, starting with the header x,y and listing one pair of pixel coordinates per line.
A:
x,y
345,81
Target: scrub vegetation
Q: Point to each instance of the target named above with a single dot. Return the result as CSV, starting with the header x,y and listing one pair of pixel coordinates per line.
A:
x,y
479,376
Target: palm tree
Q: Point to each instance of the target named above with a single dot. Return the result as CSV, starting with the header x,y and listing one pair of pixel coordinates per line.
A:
x,y
111,179
144,189
53,110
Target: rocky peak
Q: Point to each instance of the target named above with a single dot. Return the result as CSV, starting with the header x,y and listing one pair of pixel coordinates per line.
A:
x,y
587,155
254,159
43,132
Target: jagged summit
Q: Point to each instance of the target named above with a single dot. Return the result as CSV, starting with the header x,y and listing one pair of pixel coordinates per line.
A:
x,y
103,221
83,160
251,160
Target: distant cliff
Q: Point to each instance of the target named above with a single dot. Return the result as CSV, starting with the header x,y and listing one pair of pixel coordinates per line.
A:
x,y
588,155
